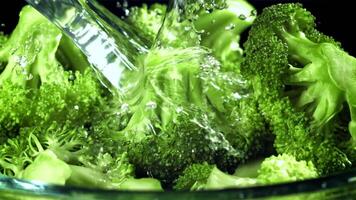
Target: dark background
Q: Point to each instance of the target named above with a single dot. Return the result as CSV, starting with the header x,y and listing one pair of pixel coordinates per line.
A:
x,y
334,18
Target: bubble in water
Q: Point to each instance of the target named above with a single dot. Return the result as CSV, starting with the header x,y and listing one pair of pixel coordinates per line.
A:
x,y
230,27
76,107
71,77
151,105
2,25
29,77
127,12
187,28
125,4
179,109
236,95
21,60
253,13
125,107
242,17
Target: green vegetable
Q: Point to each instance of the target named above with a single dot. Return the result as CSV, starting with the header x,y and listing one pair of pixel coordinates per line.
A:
x,y
199,108
147,19
275,169
222,29
285,168
297,80
47,168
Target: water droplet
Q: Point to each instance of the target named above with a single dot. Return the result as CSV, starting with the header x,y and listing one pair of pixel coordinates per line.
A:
x,y
21,60
71,77
253,13
2,25
236,95
179,109
151,105
29,77
127,12
242,17
230,27
125,4
125,107
76,107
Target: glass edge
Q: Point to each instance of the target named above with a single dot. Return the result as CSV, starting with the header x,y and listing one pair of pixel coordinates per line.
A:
x,y
319,184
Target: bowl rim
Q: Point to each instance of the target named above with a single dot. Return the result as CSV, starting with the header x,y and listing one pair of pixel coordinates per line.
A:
x,y
35,188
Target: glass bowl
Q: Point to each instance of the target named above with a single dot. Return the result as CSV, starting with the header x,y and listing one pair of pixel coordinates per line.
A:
x,y
339,186
330,14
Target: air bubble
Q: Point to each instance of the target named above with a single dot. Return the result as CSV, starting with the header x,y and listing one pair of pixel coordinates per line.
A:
x,y
253,13
242,17
125,107
29,77
187,28
151,105
230,27
21,60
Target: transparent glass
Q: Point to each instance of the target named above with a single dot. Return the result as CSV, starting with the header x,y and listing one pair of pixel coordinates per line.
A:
x,y
339,186
109,44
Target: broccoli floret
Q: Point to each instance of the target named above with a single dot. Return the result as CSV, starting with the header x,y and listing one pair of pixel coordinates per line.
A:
x,y
47,168
293,70
35,88
172,119
209,177
70,57
285,168
239,117
30,52
275,169
147,19
221,30
69,153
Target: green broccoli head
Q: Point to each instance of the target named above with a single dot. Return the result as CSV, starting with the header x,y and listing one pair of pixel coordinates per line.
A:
x,y
36,88
183,112
275,169
221,30
29,53
209,177
189,103
285,168
147,19
292,68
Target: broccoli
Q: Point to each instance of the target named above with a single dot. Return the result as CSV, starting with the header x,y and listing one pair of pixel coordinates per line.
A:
x,y
35,79
186,100
209,177
222,28
298,83
147,19
199,109
285,168
54,112
172,119
48,168
38,153
273,170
